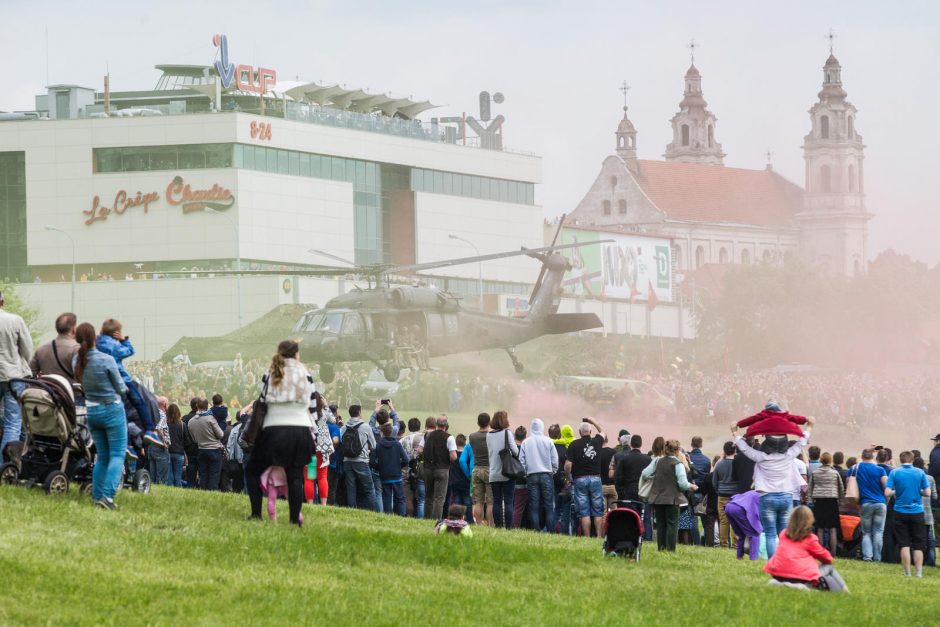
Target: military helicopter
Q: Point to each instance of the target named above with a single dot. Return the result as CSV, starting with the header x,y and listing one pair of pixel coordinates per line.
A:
x,y
398,326
403,326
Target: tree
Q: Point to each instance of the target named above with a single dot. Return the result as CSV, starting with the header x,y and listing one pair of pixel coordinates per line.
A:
x,y
15,304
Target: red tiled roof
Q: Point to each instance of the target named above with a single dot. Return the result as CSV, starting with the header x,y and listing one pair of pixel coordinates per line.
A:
x,y
709,193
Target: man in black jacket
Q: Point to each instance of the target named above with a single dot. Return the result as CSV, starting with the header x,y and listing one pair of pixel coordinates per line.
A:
x,y
190,448
625,469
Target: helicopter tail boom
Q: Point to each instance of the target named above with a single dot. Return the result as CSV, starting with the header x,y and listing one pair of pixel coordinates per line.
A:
x,y
557,323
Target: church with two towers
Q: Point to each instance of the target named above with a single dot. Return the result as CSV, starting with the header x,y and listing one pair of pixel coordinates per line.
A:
x,y
716,214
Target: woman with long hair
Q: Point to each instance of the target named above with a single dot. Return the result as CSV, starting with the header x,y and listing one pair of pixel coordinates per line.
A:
x,y
800,560
503,489
104,390
285,439
174,425
669,482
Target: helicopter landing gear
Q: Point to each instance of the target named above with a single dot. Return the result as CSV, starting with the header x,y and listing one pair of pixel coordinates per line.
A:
x,y
511,351
327,373
391,371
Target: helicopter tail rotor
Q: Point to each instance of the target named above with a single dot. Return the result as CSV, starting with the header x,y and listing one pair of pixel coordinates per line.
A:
x,y
538,281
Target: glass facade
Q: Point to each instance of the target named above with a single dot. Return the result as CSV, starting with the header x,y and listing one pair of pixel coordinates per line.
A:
x,y
437,182
147,158
13,217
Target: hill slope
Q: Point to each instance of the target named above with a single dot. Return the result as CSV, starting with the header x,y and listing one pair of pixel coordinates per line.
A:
x,y
184,557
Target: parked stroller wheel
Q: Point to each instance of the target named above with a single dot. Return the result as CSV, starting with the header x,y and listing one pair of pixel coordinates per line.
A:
x,y
87,488
141,482
56,483
9,474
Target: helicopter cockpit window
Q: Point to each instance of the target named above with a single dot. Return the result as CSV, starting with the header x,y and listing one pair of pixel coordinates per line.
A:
x,y
332,323
313,322
352,324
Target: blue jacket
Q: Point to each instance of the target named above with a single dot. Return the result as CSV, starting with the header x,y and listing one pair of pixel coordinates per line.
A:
x,y
119,350
390,459
101,381
466,461
701,463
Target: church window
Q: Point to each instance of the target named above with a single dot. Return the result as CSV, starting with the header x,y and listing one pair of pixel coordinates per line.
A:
x,y
620,141
685,134
711,136
723,255
824,127
745,257
622,207
851,127
699,257
606,207
825,179
613,181
852,181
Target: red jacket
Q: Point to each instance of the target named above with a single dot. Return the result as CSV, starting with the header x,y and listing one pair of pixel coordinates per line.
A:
x,y
797,560
772,423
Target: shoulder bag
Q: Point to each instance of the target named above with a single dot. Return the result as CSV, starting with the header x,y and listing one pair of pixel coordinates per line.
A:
x,y
851,488
512,467
256,422
645,487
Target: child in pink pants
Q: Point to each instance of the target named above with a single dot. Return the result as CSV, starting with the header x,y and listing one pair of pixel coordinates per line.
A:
x,y
274,484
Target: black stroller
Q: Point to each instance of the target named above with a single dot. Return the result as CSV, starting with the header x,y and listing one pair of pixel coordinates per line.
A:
x,y
623,536
58,447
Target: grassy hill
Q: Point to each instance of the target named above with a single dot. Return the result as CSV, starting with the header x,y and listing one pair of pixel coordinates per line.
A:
x,y
182,557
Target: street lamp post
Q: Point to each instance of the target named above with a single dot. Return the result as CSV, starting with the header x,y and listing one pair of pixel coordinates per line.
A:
x,y
238,261
72,242
479,267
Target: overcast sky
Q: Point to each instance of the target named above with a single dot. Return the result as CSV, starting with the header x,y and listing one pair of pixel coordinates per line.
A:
x,y
559,65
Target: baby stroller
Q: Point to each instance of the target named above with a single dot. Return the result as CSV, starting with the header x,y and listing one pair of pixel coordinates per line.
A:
x,y
623,535
58,447
850,536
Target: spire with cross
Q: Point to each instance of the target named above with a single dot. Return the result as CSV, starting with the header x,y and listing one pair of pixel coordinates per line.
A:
x,y
692,46
624,88
832,39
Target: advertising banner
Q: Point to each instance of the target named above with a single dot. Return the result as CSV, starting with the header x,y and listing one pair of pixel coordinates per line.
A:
x,y
631,267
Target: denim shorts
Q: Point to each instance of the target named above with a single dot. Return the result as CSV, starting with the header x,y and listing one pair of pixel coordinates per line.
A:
x,y
588,496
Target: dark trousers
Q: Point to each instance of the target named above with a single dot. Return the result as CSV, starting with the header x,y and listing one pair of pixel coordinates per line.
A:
x,y
159,464
332,478
520,507
667,526
436,484
192,469
503,493
295,490
461,496
708,522
359,489
393,497
541,499
233,477
210,464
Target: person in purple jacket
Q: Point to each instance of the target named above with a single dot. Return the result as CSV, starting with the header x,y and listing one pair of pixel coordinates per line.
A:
x,y
743,512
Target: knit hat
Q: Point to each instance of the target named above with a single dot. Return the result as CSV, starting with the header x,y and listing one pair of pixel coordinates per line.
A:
x,y
772,405
622,433
624,439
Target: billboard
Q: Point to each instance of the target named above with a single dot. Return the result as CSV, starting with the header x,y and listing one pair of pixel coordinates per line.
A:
x,y
626,268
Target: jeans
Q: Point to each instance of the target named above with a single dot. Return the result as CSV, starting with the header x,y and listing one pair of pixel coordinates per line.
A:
x,y
377,489
421,492
176,470
159,464
108,426
436,482
541,498
210,468
192,470
360,491
503,492
461,496
563,512
667,526
873,528
393,495
12,421
774,513
588,496
930,555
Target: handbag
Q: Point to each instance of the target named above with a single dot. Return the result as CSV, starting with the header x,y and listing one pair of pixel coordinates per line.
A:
x,y
645,487
851,489
256,422
701,508
512,467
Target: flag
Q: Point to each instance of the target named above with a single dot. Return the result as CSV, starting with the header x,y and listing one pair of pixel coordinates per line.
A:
x,y
651,299
633,293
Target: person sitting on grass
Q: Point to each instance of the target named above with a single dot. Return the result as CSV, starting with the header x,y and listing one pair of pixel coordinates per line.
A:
x,y
794,563
455,523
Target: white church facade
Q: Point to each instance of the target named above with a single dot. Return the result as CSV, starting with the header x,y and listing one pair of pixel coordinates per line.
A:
x,y
716,214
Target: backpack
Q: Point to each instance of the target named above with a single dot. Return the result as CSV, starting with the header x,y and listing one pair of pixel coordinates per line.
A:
x,y
352,444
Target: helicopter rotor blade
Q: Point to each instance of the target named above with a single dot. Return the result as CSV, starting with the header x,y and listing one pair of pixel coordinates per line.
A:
x,y
321,272
538,281
462,260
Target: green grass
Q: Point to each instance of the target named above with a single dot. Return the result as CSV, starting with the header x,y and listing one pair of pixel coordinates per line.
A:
x,y
180,557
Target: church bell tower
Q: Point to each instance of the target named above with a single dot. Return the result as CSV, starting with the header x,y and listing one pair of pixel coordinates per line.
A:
x,y
693,127
834,221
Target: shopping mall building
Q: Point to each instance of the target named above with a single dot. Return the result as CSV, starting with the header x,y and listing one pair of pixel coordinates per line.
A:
x,y
199,175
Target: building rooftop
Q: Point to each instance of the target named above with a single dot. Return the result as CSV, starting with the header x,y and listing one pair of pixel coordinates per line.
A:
x,y
697,192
